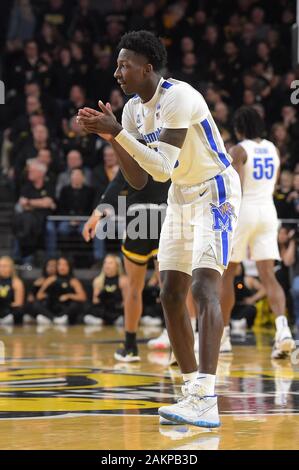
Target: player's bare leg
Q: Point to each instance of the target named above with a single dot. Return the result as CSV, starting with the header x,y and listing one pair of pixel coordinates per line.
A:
x,y
132,310
175,286
206,285
284,342
227,304
199,404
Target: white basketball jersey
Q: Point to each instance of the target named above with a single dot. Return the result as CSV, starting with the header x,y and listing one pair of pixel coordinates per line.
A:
x,y
261,170
176,105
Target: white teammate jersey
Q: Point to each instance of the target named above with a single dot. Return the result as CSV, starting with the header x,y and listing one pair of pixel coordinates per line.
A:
x,y
176,105
261,170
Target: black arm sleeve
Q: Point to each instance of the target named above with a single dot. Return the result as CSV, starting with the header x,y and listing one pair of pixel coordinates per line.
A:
x,y
112,191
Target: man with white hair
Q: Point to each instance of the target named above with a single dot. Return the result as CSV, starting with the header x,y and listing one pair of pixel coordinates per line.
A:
x,y
36,202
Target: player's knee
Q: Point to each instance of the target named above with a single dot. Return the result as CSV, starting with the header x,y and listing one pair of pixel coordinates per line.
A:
x,y
172,297
204,292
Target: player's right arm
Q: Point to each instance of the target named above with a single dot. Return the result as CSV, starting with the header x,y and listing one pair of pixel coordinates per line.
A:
x,y
239,157
109,197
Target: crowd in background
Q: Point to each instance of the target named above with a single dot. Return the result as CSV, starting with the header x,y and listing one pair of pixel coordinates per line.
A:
x,y
60,55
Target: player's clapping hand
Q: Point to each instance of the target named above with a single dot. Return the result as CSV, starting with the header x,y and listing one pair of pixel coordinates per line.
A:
x,y
102,123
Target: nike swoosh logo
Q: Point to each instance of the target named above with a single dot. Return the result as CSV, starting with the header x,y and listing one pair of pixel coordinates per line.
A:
x,y
138,127
201,194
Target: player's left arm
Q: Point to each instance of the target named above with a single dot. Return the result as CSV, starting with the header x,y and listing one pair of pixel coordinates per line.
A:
x,y
239,157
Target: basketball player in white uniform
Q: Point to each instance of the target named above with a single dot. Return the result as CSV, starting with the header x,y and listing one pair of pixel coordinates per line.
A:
x,y
257,162
184,144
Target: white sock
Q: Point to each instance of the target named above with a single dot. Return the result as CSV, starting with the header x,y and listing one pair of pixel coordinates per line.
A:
x,y
193,323
281,322
190,377
208,382
226,330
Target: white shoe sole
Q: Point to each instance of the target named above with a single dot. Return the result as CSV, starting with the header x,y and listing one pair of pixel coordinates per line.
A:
x,y
121,358
183,420
166,422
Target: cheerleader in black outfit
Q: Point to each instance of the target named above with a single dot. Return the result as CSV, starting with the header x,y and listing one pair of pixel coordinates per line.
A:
x,y
12,293
109,289
64,296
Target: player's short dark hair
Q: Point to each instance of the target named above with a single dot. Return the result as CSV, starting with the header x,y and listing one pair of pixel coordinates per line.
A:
x,y
147,44
248,122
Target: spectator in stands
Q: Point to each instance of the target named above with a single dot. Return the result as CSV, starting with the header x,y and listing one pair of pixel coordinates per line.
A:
x,y
117,102
282,196
21,25
101,79
63,75
77,139
75,199
29,67
12,293
36,202
287,251
280,138
294,196
56,13
102,174
248,291
63,294
109,290
74,162
30,148
86,19
45,156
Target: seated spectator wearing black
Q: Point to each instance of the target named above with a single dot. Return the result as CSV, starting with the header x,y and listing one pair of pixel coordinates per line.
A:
x,y
56,13
31,146
45,156
86,19
12,293
36,202
76,138
61,297
287,251
101,74
282,195
117,103
74,162
188,71
109,290
77,100
104,173
75,199
63,75
294,196
248,291
49,269
29,67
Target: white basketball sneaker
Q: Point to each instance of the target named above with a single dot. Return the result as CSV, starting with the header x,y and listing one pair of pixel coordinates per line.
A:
x,y
193,408
162,342
283,344
225,345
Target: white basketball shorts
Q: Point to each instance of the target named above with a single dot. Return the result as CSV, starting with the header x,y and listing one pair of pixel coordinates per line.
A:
x,y
256,233
200,223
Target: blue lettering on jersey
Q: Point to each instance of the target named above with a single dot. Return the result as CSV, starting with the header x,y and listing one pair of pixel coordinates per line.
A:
x,y
222,216
152,136
260,150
